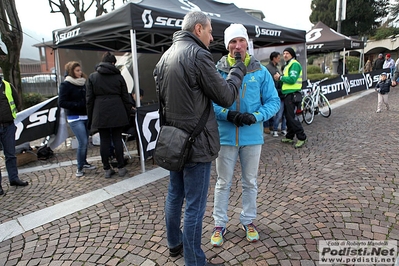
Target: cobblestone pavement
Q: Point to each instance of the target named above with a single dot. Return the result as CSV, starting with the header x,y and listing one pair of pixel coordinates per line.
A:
x,y
342,185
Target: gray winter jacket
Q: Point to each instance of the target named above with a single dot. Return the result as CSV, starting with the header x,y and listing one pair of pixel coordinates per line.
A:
x,y
187,81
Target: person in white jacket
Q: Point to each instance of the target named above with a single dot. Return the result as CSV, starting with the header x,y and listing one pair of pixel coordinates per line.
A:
x,y
389,63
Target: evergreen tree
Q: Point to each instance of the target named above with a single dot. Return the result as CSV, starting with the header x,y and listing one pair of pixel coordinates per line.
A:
x,y
362,16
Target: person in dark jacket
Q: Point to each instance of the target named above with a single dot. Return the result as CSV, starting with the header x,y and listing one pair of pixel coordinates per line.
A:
x,y
383,88
272,67
108,110
341,66
187,82
72,97
379,62
9,106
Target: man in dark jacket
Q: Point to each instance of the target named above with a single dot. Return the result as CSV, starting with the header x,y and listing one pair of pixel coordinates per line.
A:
x,y
379,62
9,106
108,110
187,81
272,67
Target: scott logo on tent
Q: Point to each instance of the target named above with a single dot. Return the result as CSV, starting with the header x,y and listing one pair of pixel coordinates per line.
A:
x,y
160,21
313,35
66,35
266,32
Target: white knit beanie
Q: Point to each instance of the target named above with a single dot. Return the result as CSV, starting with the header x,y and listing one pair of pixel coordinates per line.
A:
x,y
234,31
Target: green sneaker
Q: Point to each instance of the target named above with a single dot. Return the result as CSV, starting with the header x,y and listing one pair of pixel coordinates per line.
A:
x,y
251,232
300,143
217,236
286,140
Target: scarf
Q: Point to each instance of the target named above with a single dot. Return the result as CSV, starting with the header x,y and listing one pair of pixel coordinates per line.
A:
x,y
232,60
78,82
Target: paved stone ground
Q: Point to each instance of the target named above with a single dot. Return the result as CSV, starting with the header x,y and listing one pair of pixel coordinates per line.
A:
x,y
342,185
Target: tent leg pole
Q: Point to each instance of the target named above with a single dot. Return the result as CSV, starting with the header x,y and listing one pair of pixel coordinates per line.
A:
x,y
136,88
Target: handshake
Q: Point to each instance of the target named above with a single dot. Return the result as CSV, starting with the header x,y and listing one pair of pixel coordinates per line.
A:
x,y
241,119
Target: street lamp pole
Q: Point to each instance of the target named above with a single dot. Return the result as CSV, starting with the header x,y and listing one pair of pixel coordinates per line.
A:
x,y
339,19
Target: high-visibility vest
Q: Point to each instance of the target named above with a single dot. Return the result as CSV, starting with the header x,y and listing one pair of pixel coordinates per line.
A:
x,y
291,87
10,99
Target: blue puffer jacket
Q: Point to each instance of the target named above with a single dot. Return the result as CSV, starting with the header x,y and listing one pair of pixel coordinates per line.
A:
x,y
257,96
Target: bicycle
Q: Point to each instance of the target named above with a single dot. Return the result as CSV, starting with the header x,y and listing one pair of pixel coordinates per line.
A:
x,y
314,102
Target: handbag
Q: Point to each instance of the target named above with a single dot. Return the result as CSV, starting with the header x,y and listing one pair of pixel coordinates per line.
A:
x,y
172,149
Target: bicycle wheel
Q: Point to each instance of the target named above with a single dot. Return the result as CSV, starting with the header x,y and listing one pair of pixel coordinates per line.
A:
x,y
307,110
324,106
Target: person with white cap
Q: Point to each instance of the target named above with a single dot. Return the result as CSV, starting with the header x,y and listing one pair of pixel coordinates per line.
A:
x,y
383,87
241,133
291,89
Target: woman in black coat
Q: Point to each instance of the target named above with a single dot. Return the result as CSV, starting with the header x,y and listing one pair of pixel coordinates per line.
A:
x,y
108,109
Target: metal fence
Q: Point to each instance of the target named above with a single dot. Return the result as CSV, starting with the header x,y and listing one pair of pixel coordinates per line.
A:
x,y
44,84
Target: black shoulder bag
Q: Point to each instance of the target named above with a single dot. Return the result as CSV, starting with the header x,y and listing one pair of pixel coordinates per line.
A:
x,y
174,144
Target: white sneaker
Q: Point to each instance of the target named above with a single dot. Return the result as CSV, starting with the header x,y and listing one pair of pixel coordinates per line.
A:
x,y
275,134
283,132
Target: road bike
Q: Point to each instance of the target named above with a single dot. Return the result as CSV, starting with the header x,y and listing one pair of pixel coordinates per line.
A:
x,y
314,102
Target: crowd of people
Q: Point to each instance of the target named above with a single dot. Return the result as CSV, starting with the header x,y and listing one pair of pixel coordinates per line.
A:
x,y
242,95
98,103
382,62
247,100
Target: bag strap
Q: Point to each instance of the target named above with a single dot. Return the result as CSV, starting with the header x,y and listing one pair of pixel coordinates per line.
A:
x,y
201,123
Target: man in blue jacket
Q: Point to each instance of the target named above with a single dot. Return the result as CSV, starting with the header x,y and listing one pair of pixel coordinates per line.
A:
x,y
241,133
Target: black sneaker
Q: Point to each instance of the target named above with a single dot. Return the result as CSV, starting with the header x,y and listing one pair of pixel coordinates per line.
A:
x,y
176,251
89,166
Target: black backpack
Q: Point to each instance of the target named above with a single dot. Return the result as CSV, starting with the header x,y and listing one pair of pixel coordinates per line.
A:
x,y
44,152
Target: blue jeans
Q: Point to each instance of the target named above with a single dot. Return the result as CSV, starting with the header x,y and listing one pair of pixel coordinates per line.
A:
x,y
269,123
278,116
225,163
191,184
79,128
7,140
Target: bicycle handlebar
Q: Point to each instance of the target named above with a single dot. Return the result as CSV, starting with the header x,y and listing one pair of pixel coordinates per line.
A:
x,y
320,81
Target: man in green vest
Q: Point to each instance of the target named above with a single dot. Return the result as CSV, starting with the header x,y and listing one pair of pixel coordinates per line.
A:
x,y
291,89
8,111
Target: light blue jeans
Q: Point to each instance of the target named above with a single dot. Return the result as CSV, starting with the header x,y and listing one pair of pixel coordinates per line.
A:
x,y
79,128
225,163
191,184
278,116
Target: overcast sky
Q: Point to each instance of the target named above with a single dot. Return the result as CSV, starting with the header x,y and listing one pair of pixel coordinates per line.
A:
x,y
38,23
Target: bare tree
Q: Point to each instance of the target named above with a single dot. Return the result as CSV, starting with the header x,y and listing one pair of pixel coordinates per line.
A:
x,y
12,37
78,7
63,9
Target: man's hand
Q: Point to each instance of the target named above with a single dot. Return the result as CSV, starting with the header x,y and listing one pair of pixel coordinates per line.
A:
x,y
235,118
239,65
248,119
